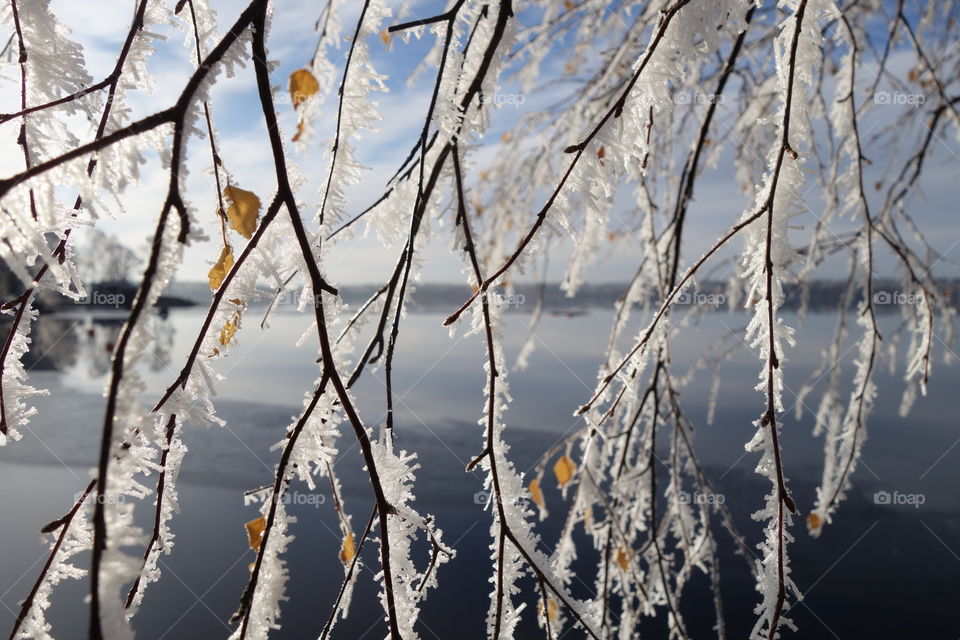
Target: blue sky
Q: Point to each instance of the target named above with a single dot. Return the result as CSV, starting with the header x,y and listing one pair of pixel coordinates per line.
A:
x,y
718,200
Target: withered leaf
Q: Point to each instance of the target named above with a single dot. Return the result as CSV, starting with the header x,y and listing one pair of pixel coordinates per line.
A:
x,y
302,85
243,211
563,469
255,529
299,134
219,271
551,608
347,549
230,328
535,493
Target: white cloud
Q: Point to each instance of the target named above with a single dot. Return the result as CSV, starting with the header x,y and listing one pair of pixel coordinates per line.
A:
x,y
244,146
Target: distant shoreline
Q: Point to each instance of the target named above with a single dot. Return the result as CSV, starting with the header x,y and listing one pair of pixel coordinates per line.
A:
x,y
822,295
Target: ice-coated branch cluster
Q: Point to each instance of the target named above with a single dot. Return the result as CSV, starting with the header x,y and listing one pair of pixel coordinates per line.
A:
x,y
626,106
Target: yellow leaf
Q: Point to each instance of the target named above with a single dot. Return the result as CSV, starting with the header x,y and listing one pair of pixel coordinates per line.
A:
x,y
299,134
623,559
563,469
506,136
551,608
219,270
302,86
230,328
226,333
255,529
385,36
347,550
535,493
243,211
814,522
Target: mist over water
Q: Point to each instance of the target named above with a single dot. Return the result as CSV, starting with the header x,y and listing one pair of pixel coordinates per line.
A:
x,y
884,569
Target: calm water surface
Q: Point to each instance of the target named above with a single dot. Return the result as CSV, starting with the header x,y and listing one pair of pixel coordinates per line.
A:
x,y
881,571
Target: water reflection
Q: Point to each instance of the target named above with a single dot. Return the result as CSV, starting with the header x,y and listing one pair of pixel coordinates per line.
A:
x,y
82,344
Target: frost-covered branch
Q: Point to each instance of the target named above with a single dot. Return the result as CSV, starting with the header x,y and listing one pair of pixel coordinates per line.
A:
x,y
638,104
